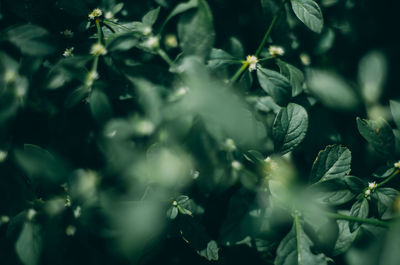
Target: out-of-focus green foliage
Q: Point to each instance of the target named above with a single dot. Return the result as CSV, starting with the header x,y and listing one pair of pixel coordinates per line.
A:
x,y
199,132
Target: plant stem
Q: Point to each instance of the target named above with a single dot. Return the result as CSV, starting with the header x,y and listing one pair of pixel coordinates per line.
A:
x,y
357,219
165,57
273,22
239,72
395,173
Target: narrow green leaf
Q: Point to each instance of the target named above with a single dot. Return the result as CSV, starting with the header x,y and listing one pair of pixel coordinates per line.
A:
x,y
332,162
151,17
290,127
378,133
309,13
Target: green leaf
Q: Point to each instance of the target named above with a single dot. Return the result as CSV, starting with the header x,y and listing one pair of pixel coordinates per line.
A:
x,y
332,162
122,42
151,17
378,133
290,127
332,90
275,84
76,96
220,58
100,106
196,31
172,212
334,191
295,248
371,75
181,8
385,198
345,238
384,171
295,76
30,39
211,252
359,209
309,13
395,109
29,244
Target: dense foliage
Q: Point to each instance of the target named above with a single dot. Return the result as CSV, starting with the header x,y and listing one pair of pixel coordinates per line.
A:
x,y
199,132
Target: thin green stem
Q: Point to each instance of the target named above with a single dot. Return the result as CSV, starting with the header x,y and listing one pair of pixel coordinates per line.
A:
x,y
165,57
271,26
298,236
239,72
395,173
357,219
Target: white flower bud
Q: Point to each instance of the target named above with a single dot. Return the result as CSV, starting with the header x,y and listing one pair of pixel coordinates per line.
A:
x,y
252,61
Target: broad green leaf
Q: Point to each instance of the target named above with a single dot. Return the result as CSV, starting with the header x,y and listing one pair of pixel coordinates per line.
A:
x,y
332,90
39,163
359,209
309,13
371,76
295,249
211,252
379,134
332,162
395,109
151,17
290,127
334,191
172,212
384,171
122,42
295,76
29,244
196,31
220,57
225,114
275,84
385,198
181,8
76,96
31,40
100,106
345,238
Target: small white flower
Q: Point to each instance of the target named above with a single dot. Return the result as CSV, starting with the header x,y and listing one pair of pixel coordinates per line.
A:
x,y
268,159
171,41
174,203
91,76
252,62
96,13
397,165
276,50
70,230
367,192
372,185
305,59
195,174
10,76
4,219
146,30
98,49
109,15
3,155
145,127
236,165
67,33
68,52
77,212
230,144
30,214
152,42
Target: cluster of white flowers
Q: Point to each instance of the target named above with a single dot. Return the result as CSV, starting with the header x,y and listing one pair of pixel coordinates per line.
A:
x,y
271,163
236,165
370,189
305,59
252,62
68,52
98,49
276,50
91,76
95,13
171,41
397,165
30,214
